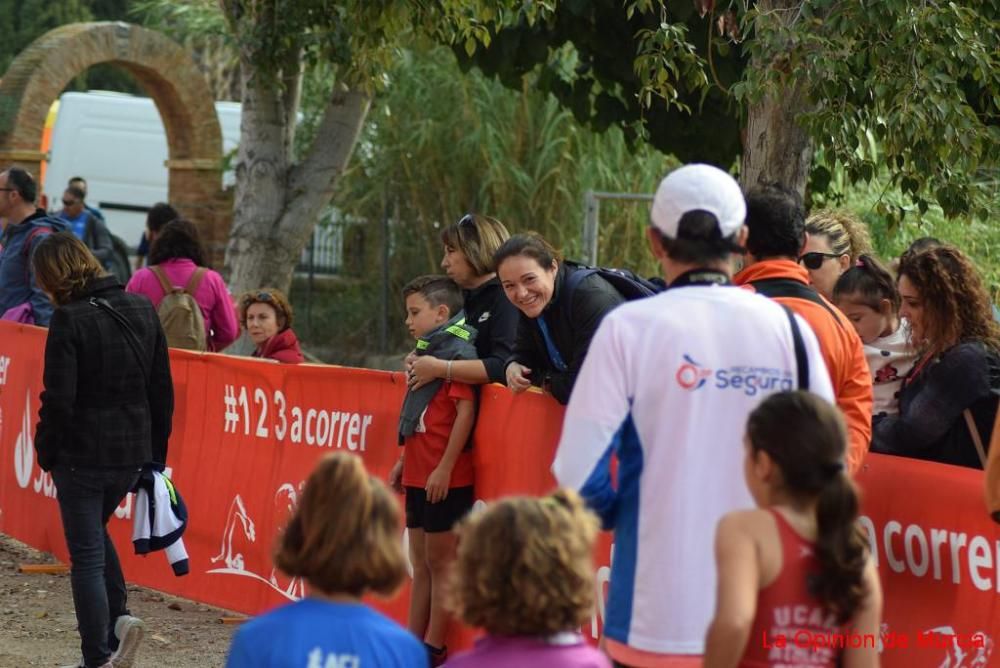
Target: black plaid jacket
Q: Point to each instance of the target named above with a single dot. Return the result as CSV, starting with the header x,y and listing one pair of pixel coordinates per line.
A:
x,y
96,409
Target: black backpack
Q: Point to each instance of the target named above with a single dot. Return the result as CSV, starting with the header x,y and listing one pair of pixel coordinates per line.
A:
x,y
120,265
624,281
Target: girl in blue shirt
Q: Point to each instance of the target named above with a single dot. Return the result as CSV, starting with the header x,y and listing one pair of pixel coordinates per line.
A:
x,y
344,541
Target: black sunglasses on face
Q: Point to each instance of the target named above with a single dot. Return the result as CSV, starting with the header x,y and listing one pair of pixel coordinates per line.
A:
x,y
815,259
68,202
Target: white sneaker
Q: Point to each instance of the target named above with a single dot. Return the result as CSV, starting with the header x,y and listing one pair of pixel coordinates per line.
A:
x,y
81,664
129,631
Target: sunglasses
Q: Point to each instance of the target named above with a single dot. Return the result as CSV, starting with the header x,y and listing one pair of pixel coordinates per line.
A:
x,y
258,297
69,202
815,259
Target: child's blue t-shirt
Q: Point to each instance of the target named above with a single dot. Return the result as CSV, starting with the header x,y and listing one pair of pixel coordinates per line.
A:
x,y
313,633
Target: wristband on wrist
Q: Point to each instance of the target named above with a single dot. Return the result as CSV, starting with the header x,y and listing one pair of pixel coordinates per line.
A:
x,y
447,375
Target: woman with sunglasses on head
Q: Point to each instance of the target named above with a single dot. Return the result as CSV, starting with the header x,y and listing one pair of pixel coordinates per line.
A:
x,y
949,398
177,260
469,246
267,317
835,239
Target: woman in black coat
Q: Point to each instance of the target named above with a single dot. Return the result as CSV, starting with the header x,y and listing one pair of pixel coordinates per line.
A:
x,y
469,246
106,412
555,329
948,400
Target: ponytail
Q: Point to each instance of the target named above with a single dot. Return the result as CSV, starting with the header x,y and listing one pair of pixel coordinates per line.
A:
x,y
806,438
841,548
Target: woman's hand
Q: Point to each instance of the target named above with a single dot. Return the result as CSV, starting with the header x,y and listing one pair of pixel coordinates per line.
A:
x,y
517,377
423,369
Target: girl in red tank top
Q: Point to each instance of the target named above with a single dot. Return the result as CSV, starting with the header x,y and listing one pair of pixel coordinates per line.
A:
x,y
796,584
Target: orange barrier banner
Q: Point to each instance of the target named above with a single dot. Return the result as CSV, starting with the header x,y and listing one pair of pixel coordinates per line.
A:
x,y
248,432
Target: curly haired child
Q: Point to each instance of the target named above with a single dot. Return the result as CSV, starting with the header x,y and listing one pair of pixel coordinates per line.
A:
x,y
525,574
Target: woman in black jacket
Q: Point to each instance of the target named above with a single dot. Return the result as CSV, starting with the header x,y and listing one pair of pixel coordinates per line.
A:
x,y
106,412
555,329
949,398
469,246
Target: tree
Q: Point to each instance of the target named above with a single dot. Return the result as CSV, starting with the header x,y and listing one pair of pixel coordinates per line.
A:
x,y
21,22
280,193
772,80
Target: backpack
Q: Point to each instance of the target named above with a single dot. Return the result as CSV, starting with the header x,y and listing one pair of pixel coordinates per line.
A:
x,y
121,267
118,264
624,281
179,313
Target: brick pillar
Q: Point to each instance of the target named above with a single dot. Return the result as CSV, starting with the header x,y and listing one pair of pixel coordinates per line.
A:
x,y
165,70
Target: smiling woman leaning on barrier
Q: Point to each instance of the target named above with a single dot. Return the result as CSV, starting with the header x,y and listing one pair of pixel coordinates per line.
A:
x,y
556,324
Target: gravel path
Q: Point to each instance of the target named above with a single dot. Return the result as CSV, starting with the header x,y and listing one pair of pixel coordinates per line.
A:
x,y
38,628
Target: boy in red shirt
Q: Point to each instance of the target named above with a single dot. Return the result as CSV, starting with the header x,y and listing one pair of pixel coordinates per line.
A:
x,y
436,468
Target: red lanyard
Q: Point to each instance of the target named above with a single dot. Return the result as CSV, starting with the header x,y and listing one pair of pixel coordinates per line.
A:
x,y
917,368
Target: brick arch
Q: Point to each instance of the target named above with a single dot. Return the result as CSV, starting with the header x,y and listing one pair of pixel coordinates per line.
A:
x,y
164,69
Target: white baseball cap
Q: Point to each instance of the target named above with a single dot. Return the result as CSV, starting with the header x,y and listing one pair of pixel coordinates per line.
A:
x,y
698,187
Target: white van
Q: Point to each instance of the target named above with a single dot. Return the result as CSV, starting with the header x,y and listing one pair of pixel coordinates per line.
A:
x,y
117,142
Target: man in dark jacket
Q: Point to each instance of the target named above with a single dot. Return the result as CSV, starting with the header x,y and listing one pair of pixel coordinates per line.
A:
x,y
25,227
81,183
87,227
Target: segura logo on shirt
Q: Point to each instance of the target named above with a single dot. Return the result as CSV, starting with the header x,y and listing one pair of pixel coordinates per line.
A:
x,y
691,375
750,380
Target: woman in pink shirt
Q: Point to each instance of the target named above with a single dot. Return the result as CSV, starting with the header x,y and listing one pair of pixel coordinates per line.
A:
x,y
177,253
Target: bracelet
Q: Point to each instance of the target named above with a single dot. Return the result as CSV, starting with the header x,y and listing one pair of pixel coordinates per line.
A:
x,y
447,373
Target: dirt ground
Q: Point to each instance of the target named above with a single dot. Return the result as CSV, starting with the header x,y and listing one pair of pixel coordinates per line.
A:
x,y
37,626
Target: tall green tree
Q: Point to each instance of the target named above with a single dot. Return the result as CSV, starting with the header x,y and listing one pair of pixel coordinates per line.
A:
x,y
280,191
770,81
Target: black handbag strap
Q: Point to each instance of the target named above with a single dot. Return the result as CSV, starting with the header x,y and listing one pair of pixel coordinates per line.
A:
x,y
130,335
785,287
801,360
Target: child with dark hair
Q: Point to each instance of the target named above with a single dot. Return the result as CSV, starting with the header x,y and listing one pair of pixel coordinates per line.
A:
x,y
801,551
531,620
868,296
344,541
435,471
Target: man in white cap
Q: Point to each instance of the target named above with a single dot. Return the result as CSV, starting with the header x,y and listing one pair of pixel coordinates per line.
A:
x,y
667,386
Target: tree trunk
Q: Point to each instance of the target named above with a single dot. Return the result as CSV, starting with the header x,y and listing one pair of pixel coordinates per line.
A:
x,y
775,147
277,204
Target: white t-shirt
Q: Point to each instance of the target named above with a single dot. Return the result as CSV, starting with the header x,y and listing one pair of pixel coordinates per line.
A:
x,y
890,358
667,385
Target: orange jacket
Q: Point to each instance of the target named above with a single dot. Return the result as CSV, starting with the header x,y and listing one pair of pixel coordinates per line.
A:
x,y
842,350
